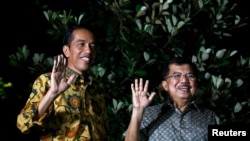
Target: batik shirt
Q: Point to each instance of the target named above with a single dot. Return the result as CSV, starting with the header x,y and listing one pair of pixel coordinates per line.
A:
x,y
77,114
165,122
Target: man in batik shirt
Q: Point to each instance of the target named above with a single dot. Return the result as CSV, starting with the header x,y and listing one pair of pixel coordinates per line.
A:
x,y
66,104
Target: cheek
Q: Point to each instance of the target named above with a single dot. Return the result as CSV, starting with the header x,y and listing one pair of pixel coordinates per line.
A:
x,y
74,52
171,86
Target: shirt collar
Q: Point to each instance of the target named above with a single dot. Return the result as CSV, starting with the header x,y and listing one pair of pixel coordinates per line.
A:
x,y
85,78
191,105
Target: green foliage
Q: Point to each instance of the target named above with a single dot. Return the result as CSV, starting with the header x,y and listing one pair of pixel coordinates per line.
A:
x,y
36,65
3,86
135,38
223,82
61,21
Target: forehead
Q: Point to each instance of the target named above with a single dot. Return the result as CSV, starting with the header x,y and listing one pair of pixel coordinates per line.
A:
x,y
184,68
83,34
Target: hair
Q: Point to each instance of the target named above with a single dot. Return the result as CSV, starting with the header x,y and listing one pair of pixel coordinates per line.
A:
x,y
68,36
178,61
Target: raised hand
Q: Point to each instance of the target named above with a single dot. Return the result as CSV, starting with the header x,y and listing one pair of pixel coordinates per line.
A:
x,y
140,102
139,91
58,81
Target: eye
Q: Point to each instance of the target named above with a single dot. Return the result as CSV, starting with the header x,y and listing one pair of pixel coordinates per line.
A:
x,y
190,75
92,45
81,44
177,76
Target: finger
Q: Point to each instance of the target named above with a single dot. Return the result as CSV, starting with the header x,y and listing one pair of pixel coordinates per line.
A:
x,y
150,98
132,88
141,84
71,79
64,62
54,66
136,85
145,89
60,62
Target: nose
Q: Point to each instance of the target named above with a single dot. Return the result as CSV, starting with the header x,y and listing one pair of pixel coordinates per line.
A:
x,y
87,48
184,78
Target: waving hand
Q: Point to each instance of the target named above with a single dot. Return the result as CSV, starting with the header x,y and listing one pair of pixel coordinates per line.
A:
x,y
58,81
140,99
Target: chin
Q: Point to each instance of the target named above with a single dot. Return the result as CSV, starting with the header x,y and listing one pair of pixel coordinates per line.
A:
x,y
185,96
84,69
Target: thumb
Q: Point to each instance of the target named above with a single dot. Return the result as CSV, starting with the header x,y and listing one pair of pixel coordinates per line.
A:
x,y
152,95
71,78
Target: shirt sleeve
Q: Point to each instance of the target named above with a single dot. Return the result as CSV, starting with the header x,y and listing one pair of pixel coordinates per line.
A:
x,y
28,116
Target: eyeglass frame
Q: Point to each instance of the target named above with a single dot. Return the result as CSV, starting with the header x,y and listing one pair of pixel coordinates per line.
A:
x,y
177,76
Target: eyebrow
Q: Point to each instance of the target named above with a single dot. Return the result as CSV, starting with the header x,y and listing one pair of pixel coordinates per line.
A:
x,y
83,40
181,73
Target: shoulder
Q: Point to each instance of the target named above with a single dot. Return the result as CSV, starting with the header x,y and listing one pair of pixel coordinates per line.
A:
x,y
152,112
209,114
154,108
44,76
42,79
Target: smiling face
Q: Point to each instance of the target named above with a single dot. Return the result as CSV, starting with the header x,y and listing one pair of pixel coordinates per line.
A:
x,y
80,52
180,83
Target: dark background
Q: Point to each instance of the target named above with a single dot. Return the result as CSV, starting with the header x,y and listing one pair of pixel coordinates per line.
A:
x,y
23,23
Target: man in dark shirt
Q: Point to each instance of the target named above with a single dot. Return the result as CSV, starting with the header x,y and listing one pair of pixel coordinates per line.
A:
x,y
180,118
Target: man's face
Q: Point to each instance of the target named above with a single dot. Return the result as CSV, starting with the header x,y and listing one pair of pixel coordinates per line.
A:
x,y
81,51
180,83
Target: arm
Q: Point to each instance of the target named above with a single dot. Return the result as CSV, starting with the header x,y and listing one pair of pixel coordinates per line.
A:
x,y
42,96
140,102
58,84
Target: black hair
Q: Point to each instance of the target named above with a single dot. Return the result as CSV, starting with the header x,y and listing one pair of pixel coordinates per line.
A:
x,y
178,61
68,37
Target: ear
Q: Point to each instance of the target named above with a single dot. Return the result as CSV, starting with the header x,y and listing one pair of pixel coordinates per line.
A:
x,y
66,50
164,85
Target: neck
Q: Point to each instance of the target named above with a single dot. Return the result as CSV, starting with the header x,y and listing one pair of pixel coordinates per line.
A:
x,y
181,104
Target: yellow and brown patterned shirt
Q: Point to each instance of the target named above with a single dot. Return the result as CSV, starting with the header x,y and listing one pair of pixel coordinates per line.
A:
x,y
77,114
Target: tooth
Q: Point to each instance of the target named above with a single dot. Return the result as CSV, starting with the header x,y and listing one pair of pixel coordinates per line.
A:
x,y
87,59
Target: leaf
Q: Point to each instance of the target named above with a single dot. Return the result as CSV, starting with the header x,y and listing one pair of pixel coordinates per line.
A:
x,y
114,103
237,107
101,71
219,82
239,82
228,82
146,56
204,56
155,4
174,20
165,5
220,53
180,24
46,15
141,12
227,34
233,53
169,1
207,75
158,21
120,105
169,25
138,23
200,2
194,59
237,20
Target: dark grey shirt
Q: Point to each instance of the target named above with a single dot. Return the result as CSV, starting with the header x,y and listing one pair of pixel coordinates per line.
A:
x,y
164,122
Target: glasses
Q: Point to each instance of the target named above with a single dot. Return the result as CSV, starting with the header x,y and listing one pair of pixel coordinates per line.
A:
x,y
178,76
